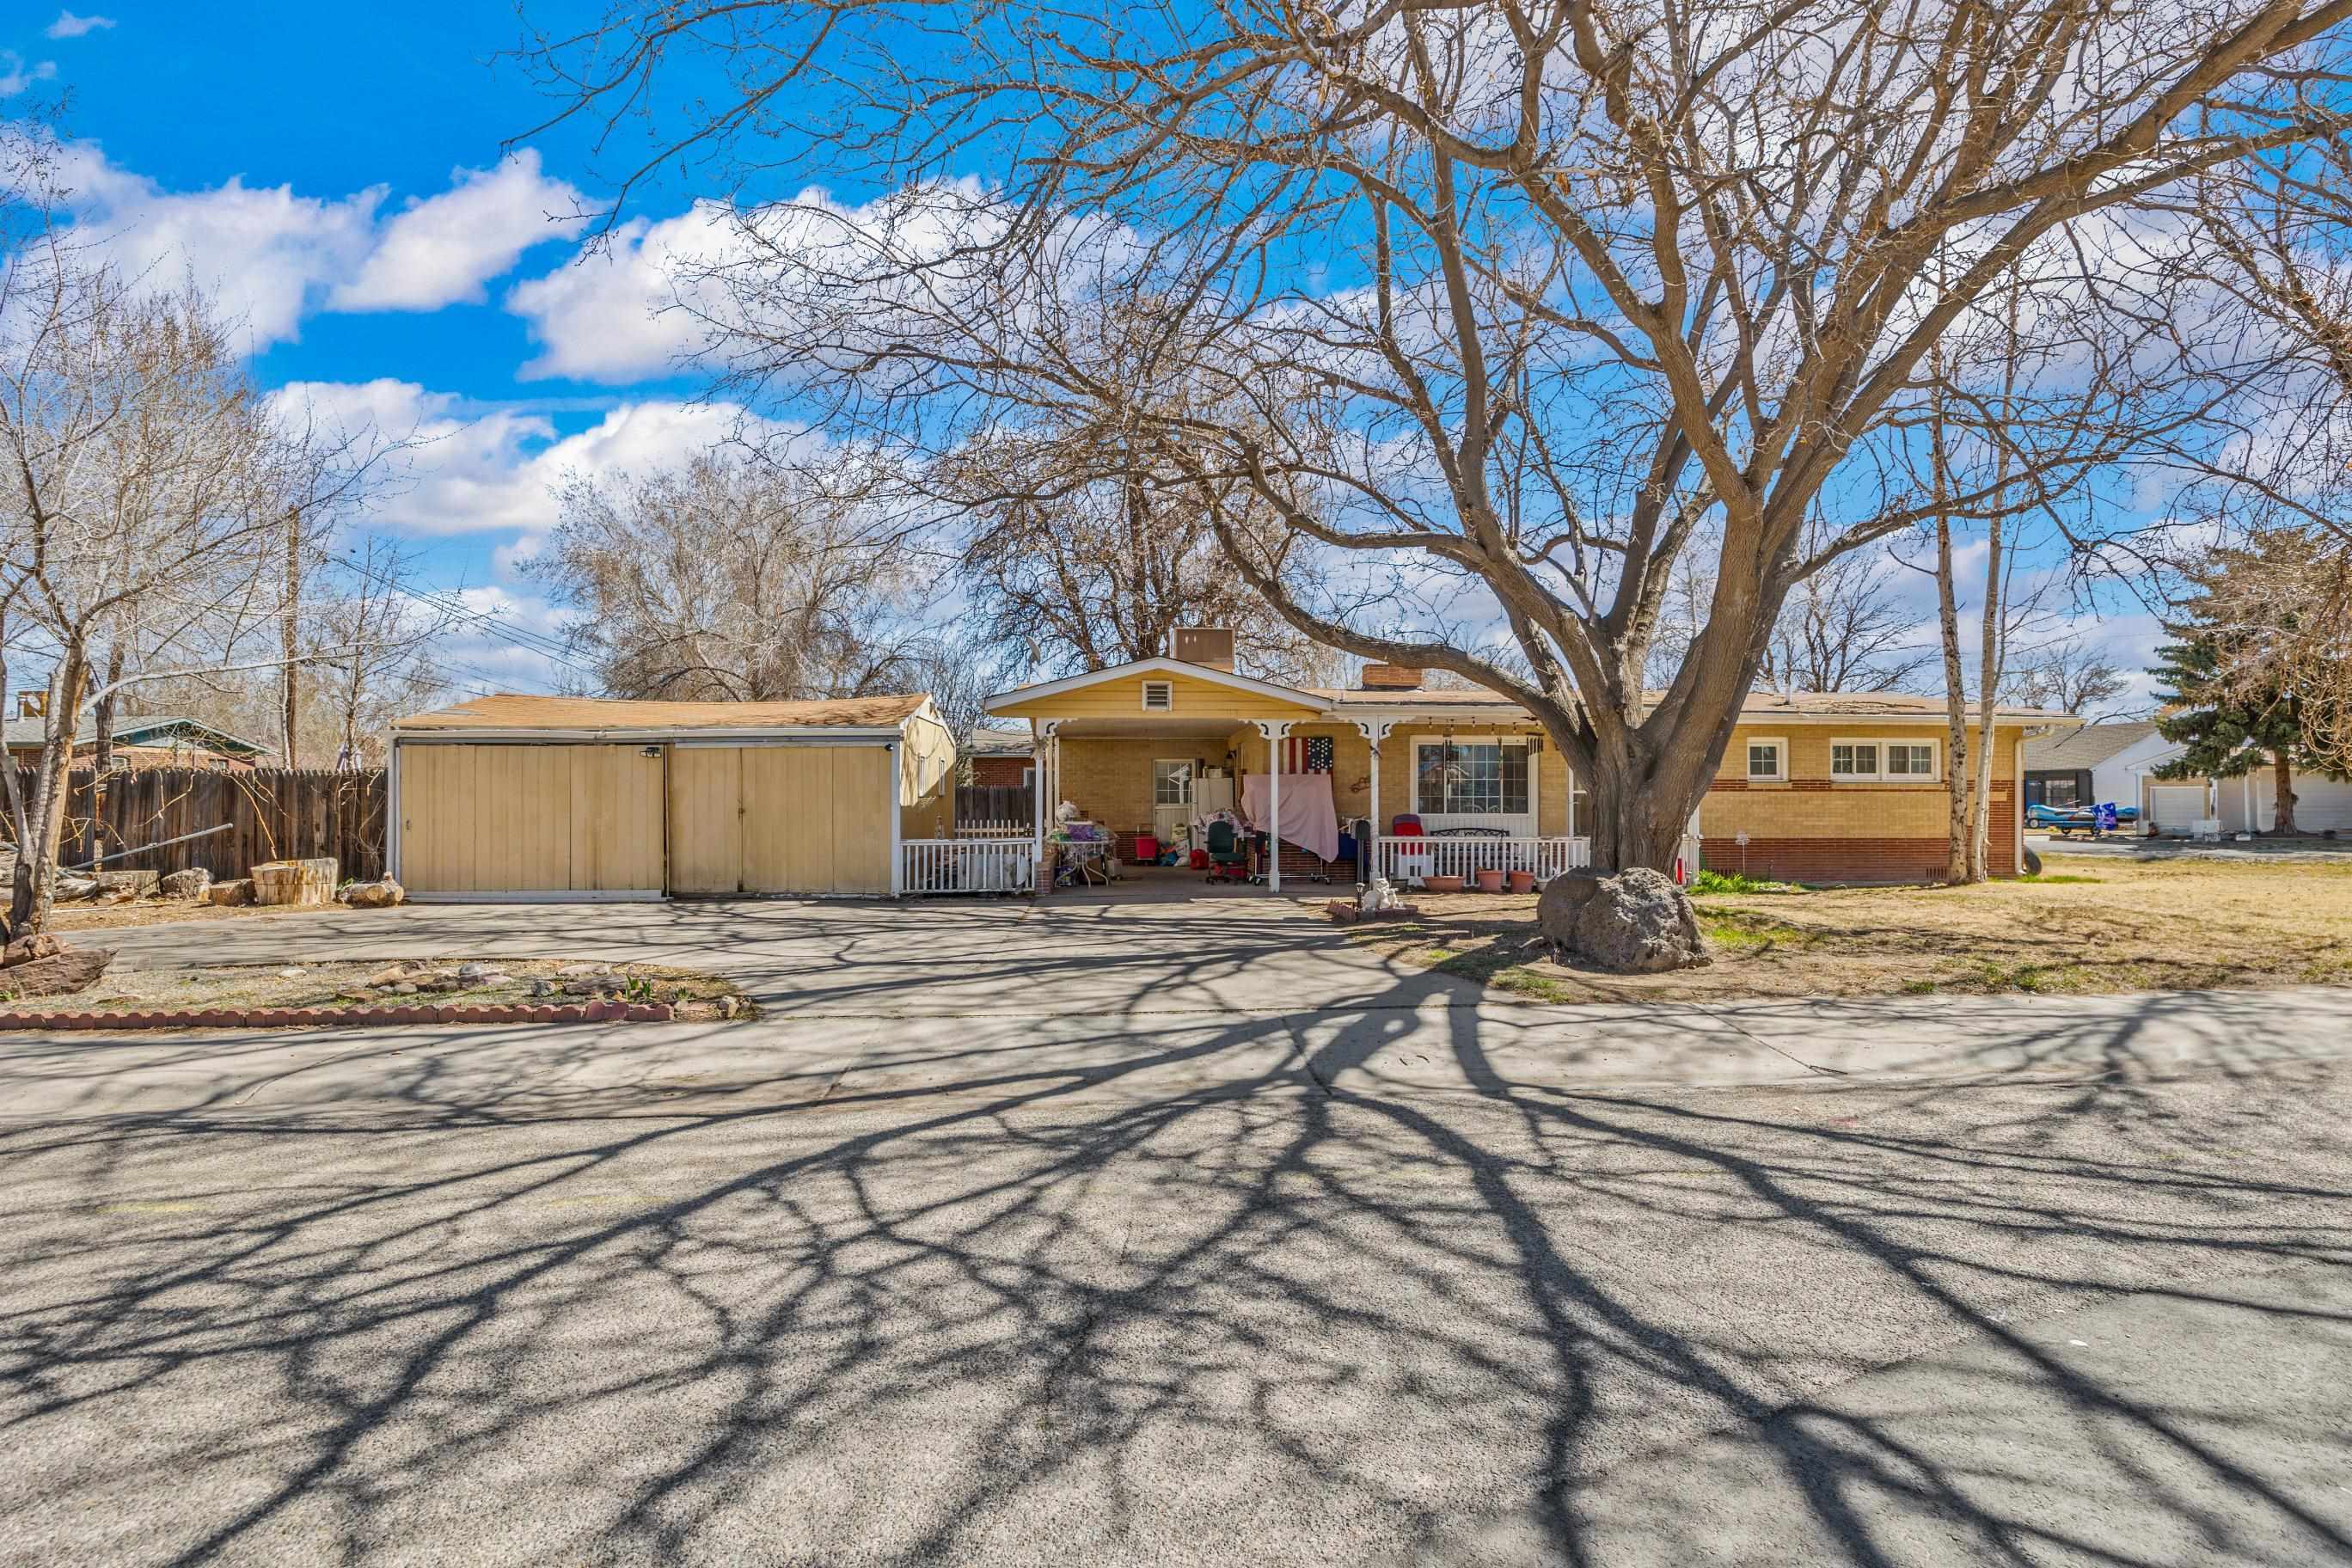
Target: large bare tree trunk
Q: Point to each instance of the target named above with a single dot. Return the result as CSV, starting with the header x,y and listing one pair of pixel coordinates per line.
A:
x,y
1989,666
290,633
2282,809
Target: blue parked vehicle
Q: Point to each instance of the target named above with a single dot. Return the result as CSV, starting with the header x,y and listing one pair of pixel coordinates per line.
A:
x,y
2092,820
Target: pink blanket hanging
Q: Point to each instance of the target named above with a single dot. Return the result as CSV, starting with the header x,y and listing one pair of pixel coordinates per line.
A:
x,y
1309,819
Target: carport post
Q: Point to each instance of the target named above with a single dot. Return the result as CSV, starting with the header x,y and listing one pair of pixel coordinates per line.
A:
x,y
1374,731
890,796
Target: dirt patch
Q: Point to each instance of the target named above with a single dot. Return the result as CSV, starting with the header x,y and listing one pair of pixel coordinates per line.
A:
x,y
2109,927
66,919
506,981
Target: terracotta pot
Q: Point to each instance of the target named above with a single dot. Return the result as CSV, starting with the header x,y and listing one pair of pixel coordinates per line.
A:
x,y
1523,881
1441,884
1490,880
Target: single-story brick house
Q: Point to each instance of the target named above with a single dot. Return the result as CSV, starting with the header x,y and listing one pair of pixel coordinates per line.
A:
x,y
1817,787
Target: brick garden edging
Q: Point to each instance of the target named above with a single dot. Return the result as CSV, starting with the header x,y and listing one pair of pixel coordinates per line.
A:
x,y
313,1017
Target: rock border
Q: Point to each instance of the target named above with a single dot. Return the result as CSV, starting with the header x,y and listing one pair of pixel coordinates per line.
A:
x,y
315,1017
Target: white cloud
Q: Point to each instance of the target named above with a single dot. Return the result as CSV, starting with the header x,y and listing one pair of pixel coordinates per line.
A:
x,y
474,470
272,257
15,75
442,249
68,25
618,312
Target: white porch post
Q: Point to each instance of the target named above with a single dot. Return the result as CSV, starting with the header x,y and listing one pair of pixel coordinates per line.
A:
x,y
1375,732
1274,731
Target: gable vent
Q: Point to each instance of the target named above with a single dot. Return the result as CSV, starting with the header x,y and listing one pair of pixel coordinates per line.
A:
x,y
1158,696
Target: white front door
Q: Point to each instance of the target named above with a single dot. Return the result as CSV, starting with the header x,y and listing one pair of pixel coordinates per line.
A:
x,y
1172,798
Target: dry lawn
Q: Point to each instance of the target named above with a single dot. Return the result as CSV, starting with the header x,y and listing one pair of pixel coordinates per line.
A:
x,y
66,919
2112,927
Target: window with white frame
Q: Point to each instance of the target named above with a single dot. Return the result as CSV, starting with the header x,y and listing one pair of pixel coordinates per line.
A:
x,y
1471,778
1911,760
1768,760
1158,696
1853,759
1904,762
1172,783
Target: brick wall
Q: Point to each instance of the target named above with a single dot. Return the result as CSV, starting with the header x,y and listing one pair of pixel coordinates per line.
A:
x,y
1000,772
1812,828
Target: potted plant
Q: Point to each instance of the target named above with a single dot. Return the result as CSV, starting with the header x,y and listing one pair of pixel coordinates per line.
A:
x,y
1490,879
1441,884
1523,881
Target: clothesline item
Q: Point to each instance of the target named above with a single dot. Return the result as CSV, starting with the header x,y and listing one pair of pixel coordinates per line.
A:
x,y
1309,818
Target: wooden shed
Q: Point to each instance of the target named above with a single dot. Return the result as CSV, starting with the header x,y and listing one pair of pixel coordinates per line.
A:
x,y
552,798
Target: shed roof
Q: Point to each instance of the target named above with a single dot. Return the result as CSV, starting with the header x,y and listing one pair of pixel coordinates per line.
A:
x,y
2087,747
511,712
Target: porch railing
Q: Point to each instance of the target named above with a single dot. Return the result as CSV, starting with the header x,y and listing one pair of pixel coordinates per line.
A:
x,y
997,828
1412,860
969,865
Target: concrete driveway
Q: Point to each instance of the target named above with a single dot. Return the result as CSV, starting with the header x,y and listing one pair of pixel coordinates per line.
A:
x,y
1141,1256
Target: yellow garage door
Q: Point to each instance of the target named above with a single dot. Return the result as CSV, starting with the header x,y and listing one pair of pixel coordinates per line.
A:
x,y
780,820
530,819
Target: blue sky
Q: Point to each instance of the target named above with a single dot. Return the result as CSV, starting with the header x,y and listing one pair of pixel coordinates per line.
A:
x,y
337,174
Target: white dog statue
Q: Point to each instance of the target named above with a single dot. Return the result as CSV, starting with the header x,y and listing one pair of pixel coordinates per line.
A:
x,y
1380,897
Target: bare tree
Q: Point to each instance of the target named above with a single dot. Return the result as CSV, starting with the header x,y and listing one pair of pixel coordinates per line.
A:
x,y
2069,676
736,578
1531,293
1845,628
151,488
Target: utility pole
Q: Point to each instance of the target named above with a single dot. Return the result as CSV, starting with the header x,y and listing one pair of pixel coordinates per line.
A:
x,y
288,631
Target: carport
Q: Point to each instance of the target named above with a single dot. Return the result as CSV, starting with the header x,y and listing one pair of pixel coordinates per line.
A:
x,y
555,798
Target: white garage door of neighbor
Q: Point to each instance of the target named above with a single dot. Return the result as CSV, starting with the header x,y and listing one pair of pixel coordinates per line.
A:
x,y
2318,802
2176,809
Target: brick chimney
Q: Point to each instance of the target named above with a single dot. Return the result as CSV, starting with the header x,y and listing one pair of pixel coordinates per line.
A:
x,y
1390,677
1210,646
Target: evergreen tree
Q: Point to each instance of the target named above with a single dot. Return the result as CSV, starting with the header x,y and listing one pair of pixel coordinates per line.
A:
x,y
2226,735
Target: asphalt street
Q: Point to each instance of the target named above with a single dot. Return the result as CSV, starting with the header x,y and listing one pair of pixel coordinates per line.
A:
x,y
1383,1278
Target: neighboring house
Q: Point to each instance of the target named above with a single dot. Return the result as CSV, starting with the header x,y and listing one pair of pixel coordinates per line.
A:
x,y
1824,787
1001,758
2098,765
163,741
2249,803
548,798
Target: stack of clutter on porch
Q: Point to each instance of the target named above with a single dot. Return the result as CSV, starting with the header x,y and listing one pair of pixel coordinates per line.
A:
x,y
1083,852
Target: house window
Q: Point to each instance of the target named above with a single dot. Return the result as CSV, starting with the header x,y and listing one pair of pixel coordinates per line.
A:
x,y
1472,778
1853,759
1768,760
1159,697
1172,783
1909,760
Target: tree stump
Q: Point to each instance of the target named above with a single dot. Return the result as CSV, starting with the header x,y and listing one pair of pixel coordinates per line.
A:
x,y
311,883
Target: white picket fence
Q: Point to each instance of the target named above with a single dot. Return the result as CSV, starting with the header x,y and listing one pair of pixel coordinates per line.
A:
x,y
970,864
996,828
1407,860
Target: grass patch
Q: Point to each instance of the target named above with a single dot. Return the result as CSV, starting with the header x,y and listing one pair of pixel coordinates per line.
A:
x,y
1739,882
2157,926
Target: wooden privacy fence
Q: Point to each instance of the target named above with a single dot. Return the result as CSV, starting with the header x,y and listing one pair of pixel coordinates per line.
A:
x,y
273,814
995,810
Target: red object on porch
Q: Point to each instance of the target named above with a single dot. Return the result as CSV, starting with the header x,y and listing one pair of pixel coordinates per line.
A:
x,y
1405,826
1199,859
1147,848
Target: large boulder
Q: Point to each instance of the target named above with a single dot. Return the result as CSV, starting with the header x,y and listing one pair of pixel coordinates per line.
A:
x,y
25,949
59,975
1636,922
238,891
189,884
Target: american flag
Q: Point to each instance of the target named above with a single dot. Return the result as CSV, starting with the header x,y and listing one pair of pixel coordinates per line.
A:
x,y
1307,754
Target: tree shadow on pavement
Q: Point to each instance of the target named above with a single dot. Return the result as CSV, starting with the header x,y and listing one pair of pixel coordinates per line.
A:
x,y
1170,1288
